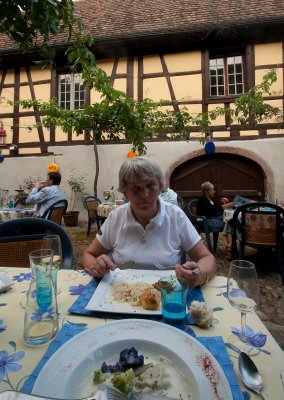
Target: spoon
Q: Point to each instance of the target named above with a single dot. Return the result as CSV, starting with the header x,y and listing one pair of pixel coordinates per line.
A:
x,y
249,374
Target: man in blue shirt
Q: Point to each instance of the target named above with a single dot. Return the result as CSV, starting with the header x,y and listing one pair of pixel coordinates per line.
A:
x,y
46,193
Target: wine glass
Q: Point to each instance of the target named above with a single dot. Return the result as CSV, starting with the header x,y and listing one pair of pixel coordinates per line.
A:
x,y
53,242
243,293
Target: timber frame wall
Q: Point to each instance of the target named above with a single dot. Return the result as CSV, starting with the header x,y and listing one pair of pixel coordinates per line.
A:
x,y
132,74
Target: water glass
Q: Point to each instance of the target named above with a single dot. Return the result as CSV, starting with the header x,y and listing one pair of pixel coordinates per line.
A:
x,y
41,313
174,293
53,242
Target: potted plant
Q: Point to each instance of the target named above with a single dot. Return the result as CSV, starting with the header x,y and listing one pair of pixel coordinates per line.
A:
x,y
24,190
77,186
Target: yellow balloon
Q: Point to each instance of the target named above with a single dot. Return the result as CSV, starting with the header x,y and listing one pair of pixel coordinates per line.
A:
x,y
53,167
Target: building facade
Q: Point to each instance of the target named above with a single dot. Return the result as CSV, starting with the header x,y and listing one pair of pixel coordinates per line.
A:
x,y
193,54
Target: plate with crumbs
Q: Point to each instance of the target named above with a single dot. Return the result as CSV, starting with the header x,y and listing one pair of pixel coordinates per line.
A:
x,y
103,300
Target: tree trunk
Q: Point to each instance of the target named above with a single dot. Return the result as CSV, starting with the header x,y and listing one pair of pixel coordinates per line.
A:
x,y
97,168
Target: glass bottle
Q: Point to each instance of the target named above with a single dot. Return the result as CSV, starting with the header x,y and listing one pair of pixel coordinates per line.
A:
x,y
41,313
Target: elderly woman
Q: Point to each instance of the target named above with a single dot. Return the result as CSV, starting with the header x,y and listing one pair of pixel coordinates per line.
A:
x,y
213,211
148,230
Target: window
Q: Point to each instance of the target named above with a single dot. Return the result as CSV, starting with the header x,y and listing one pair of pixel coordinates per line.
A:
x,y
226,76
71,91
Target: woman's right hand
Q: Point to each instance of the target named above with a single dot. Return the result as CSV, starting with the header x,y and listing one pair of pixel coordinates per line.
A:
x,y
100,266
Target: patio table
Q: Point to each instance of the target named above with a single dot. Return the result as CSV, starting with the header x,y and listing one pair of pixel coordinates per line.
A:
x,y
72,284
104,209
6,214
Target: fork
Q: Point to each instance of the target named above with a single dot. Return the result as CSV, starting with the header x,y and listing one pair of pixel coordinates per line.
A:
x,y
160,266
114,394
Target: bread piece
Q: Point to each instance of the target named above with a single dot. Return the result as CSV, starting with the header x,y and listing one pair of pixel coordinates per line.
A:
x,y
150,299
201,314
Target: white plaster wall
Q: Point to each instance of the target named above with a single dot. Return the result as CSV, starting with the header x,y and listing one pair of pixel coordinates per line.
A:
x,y
80,160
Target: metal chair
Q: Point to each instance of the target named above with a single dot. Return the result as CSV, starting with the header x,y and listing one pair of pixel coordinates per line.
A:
x,y
180,201
260,225
91,204
56,211
19,237
201,225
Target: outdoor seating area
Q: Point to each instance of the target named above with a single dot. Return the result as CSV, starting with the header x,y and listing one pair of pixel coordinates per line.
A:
x,y
141,204
74,240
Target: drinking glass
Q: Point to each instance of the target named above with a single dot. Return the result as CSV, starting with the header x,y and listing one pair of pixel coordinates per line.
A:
x,y
243,294
53,242
41,313
174,300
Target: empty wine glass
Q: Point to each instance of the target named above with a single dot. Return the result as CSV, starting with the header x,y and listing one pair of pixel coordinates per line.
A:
x,y
53,242
243,294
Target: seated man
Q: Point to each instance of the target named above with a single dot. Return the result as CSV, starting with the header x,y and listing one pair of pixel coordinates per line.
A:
x,y
213,211
46,193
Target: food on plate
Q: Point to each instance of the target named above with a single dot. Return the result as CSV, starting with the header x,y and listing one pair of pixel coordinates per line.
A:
x,y
137,294
128,358
150,299
130,374
124,381
201,314
156,376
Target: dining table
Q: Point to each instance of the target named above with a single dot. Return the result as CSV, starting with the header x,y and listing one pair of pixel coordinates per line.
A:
x,y
20,364
6,214
104,209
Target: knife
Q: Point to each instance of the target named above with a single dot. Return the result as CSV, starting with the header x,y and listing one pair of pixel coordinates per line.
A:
x,y
237,350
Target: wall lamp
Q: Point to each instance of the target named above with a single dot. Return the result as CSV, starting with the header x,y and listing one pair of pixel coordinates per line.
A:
x,y
13,147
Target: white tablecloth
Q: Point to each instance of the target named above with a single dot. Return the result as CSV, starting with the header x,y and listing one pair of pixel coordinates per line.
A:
x,y
71,283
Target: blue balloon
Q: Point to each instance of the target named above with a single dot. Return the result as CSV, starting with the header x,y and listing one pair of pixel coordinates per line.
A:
x,y
209,147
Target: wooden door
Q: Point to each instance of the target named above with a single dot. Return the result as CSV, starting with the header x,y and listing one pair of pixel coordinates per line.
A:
x,y
230,174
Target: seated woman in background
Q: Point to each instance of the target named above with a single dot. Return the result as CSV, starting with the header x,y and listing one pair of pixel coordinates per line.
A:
x,y
148,230
213,211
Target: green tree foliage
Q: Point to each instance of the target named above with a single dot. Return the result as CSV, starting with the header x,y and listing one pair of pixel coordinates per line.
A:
x,y
31,23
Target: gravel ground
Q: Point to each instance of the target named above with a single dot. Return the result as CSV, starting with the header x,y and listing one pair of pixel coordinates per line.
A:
x,y
271,307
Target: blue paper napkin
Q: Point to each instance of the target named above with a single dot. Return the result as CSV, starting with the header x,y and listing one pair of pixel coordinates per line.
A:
x,y
214,344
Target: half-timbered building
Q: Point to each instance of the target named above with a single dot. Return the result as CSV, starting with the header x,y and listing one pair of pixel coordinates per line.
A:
x,y
195,53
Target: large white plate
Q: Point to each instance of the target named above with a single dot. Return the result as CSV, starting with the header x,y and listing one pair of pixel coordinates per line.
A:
x,y
68,373
100,301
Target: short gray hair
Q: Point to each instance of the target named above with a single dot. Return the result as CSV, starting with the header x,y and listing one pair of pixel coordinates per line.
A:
x,y
206,186
138,168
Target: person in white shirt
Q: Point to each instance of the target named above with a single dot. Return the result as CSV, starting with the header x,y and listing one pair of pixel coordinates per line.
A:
x,y
170,196
148,230
46,193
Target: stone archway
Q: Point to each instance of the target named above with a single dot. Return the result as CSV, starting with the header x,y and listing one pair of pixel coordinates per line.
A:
x,y
255,176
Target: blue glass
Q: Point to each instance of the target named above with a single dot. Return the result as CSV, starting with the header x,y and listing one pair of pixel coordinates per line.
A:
x,y
174,300
41,312
43,287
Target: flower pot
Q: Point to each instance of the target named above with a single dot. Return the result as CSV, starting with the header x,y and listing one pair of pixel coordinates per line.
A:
x,y
71,218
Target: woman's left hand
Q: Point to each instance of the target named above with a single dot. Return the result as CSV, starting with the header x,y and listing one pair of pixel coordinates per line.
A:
x,y
191,272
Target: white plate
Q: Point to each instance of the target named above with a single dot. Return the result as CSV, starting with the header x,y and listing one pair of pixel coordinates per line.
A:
x,y
100,301
68,373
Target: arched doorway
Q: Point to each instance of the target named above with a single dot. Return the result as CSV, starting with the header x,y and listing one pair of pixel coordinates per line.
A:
x,y
230,173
